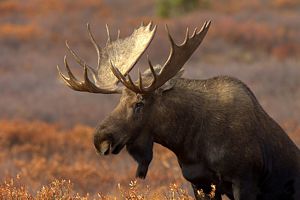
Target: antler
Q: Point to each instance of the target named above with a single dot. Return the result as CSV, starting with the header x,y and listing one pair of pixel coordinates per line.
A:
x,y
178,56
123,52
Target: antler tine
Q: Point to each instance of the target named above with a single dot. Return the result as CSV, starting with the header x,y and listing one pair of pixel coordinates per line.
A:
x,y
127,83
130,84
66,79
85,86
92,39
124,52
152,70
149,25
140,81
117,73
203,29
187,37
72,82
79,60
68,69
118,37
169,36
178,56
88,84
194,33
108,34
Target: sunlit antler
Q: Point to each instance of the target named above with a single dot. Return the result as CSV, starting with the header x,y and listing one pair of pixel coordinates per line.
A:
x,y
124,53
86,85
179,54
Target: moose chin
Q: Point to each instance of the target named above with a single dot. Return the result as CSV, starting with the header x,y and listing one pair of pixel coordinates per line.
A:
x,y
216,127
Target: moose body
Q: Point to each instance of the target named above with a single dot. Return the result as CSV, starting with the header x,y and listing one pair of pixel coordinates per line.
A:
x,y
220,135
216,127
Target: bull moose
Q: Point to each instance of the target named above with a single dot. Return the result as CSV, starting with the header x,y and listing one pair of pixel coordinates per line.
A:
x,y
216,127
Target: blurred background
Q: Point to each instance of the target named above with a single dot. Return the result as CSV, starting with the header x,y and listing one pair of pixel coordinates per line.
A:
x,y
46,128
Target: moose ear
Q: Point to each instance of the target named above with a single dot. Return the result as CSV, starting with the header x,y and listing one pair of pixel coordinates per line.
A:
x,y
170,83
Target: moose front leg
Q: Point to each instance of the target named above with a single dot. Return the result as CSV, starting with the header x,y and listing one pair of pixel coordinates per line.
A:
x,y
244,190
202,179
201,195
142,170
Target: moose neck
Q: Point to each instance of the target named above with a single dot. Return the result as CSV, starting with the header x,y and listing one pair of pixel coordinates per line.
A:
x,y
177,117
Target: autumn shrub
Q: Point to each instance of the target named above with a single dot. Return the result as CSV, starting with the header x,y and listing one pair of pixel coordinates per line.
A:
x,y
12,189
42,153
286,3
7,7
20,31
45,161
168,8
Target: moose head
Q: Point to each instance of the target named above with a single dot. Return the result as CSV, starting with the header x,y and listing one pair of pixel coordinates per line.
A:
x,y
143,104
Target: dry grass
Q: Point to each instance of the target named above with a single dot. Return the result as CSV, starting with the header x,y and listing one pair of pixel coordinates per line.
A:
x,y
12,189
41,153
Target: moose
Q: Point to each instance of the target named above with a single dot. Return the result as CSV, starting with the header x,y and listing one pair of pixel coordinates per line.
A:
x,y
217,129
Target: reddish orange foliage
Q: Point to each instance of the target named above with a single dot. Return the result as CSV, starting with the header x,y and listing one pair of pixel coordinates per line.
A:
x,y
286,3
22,32
249,32
12,189
42,152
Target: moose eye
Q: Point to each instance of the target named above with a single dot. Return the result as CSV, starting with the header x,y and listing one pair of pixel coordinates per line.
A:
x,y
138,107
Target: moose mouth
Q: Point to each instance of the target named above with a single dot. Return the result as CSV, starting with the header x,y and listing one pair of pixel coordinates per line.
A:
x,y
106,147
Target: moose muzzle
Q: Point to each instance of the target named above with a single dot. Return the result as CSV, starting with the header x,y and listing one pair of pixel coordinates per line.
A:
x,y
102,145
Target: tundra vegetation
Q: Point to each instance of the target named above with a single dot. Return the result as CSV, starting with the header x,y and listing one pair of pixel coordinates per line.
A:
x,y
37,123
168,8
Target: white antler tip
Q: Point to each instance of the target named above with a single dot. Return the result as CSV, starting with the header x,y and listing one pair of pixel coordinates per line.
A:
x,y
154,28
149,25
57,67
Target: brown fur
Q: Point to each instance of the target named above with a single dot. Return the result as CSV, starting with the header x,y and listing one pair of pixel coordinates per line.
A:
x,y
219,133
